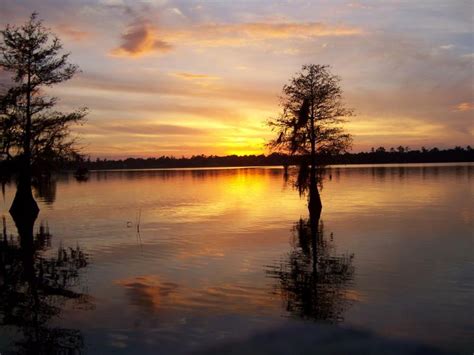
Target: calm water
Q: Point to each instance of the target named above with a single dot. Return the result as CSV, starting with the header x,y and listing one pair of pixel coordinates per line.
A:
x,y
223,253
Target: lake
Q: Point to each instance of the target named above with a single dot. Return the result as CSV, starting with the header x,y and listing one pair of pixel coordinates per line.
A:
x,y
169,261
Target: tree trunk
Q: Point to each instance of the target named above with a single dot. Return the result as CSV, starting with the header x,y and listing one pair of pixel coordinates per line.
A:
x,y
24,217
312,138
314,203
24,206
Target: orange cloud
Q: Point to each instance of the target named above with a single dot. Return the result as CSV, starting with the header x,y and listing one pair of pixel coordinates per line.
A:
x,y
243,33
193,76
140,128
290,30
464,106
259,96
140,39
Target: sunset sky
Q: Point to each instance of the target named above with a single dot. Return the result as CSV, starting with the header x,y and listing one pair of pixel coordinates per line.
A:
x,y
164,77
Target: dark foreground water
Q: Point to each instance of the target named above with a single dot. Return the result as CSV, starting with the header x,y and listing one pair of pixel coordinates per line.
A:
x,y
172,261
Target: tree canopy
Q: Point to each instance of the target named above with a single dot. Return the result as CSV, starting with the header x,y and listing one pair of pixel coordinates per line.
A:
x,y
312,115
30,128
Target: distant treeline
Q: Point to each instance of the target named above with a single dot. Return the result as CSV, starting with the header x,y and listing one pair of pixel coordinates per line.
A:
x,y
375,156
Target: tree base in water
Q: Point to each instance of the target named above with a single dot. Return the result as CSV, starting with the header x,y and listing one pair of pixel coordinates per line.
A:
x,y
24,206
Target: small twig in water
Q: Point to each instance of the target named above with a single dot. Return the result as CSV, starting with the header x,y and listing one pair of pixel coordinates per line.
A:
x,y
139,218
139,238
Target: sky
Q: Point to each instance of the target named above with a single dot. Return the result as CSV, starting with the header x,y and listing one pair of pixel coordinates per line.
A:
x,y
183,77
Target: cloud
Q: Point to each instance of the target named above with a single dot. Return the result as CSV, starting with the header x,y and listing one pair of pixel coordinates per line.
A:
x,y
194,76
447,46
177,11
141,128
140,39
238,91
358,5
464,106
468,56
240,34
72,32
287,30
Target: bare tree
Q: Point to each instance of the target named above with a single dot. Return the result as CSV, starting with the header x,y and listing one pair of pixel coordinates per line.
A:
x,y
33,133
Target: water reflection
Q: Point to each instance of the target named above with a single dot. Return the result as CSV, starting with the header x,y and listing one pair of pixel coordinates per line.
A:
x,y
45,189
196,275
4,180
312,279
34,288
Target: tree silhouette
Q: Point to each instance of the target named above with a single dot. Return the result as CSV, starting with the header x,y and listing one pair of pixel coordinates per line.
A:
x,y
312,114
32,133
310,123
